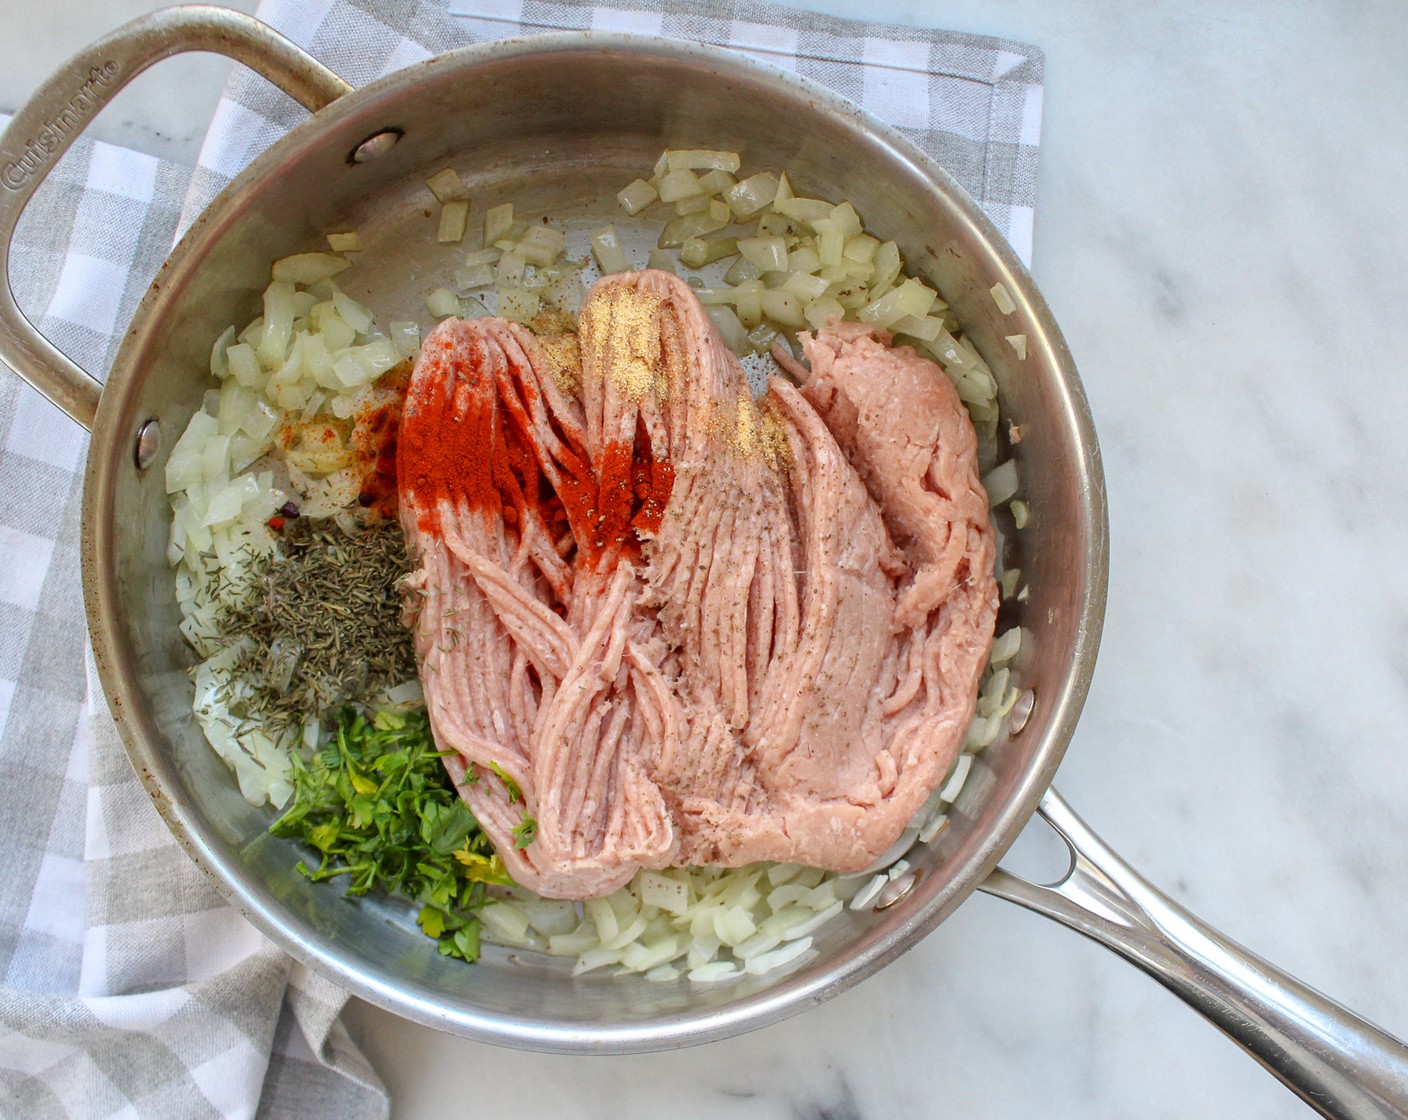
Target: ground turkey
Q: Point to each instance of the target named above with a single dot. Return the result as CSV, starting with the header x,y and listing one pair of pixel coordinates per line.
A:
x,y
673,624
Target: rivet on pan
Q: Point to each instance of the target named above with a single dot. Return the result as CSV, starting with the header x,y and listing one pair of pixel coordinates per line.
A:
x,y
148,444
1021,711
377,144
894,891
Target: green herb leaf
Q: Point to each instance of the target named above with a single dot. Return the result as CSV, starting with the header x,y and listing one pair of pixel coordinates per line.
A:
x,y
410,835
525,832
514,793
431,920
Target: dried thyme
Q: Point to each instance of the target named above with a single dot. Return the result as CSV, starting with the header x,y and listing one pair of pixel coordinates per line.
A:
x,y
323,619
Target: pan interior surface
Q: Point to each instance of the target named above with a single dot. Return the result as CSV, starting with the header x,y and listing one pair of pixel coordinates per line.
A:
x,y
558,126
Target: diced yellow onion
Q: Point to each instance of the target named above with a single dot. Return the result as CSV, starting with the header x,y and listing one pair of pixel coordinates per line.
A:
x,y
454,220
447,186
498,220
636,196
442,303
606,249
348,242
309,268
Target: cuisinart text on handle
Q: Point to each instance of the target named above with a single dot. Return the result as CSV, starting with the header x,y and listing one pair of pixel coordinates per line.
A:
x,y
50,138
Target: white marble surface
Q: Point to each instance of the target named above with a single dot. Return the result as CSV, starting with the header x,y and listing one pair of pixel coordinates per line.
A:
x,y
1221,233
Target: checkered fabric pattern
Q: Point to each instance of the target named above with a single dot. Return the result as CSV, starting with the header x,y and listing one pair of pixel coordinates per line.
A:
x,y
127,986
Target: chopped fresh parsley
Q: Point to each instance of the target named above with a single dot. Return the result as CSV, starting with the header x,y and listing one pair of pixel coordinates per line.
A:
x,y
525,831
376,802
514,793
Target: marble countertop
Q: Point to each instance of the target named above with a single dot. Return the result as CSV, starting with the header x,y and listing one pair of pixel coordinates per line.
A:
x,y
1220,232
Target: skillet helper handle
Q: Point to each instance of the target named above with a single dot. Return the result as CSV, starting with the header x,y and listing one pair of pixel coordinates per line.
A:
x,y
1339,1064
54,117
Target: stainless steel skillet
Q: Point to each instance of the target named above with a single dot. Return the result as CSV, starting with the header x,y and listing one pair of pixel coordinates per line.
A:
x,y
557,126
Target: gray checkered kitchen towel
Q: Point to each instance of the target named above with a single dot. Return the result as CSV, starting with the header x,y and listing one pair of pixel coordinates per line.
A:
x,y
127,986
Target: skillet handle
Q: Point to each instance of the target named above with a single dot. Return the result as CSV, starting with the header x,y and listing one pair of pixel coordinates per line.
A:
x,y
1339,1064
54,117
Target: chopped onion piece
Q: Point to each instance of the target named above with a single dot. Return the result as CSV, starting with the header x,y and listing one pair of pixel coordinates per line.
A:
x,y
1018,342
830,246
912,298
442,303
714,971
353,313
675,185
183,468
454,220
1020,513
272,347
803,258
954,785
512,267
679,229
565,291
716,182
607,251
861,248
642,957
219,363
748,302
347,242
767,254
447,186
309,268
244,365
730,329
235,404
504,920
542,245
472,307
1002,297
405,336
887,267
636,196
926,328
784,308
846,220
667,893
488,255
821,311
767,962
696,252
805,286
734,926
761,338
519,304
741,270
260,421
803,209
1006,646
660,259
750,196
699,159
498,220
1001,482
474,276
693,204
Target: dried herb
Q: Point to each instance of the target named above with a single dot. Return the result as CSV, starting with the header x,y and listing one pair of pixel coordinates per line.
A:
x,y
323,619
376,802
